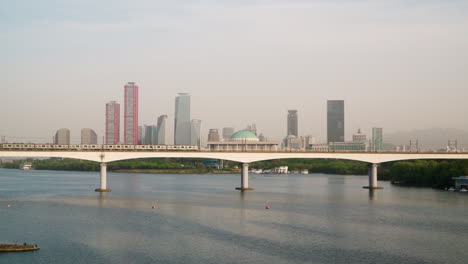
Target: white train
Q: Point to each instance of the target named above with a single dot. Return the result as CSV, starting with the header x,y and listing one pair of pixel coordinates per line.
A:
x,y
48,147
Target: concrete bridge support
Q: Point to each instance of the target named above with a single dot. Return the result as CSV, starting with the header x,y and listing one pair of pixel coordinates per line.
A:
x,y
372,172
103,179
244,178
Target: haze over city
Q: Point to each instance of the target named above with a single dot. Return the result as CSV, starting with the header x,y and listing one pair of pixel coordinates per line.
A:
x,y
397,65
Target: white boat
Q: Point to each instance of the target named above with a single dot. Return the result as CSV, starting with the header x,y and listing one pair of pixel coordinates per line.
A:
x,y
26,166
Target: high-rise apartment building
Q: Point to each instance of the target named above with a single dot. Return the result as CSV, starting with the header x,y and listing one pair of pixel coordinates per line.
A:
x,y
335,121
227,133
195,133
62,136
182,123
161,130
377,139
213,135
131,114
292,123
112,123
88,136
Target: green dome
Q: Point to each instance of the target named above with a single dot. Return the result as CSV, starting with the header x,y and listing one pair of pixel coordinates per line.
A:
x,y
243,134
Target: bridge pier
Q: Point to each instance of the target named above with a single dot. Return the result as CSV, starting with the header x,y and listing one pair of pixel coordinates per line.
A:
x,y
244,178
103,179
372,172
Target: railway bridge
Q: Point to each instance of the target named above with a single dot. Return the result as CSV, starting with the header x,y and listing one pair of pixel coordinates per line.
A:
x,y
104,157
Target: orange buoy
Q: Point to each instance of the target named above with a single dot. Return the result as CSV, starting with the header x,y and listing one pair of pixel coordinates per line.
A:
x,y
153,207
9,205
267,207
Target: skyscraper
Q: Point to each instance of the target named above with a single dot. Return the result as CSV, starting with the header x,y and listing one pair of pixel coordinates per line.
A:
x,y
150,135
227,133
62,136
335,121
292,123
112,123
161,130
131,114
141,135
182,135
377,139
88,136
195,132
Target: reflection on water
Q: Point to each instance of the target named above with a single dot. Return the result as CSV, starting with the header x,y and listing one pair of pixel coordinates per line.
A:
x,y
373,194
201,219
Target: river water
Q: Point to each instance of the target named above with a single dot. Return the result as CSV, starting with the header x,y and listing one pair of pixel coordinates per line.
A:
x,y
312,218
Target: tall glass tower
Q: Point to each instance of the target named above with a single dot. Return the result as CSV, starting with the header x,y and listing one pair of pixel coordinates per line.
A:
x,y
182,134
335,121
161,130
112,123
195,133
292,123
377,139
131,114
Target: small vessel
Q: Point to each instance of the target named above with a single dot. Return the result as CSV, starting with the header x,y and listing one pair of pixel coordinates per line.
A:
x,y
26,166
17,248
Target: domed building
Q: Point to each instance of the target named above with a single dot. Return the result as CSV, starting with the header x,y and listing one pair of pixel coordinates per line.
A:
x,y
242,140
243,136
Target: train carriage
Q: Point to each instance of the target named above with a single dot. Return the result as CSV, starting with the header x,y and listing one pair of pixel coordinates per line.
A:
x,y
83,147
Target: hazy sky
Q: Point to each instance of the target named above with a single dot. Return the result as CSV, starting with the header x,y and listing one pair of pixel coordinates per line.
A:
x,y
397,64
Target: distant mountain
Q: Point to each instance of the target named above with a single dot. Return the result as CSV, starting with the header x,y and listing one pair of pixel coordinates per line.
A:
x,y
433,138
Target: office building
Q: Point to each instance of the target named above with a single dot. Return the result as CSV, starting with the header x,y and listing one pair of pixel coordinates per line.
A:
x,y
195,128
377,139
292,123
62,136
213,135
335,121
112,123
227,132
182,123
150,135
359,137
141,135
161,130
307,142
131,114
88,136
292,142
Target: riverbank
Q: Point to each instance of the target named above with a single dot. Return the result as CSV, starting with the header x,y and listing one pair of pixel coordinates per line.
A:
x,y
189,171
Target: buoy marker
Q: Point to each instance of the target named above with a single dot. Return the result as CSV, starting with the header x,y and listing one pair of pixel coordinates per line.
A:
x,y
267,207
9,205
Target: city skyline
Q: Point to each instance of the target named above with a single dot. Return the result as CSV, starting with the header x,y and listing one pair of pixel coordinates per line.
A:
x,y
253,72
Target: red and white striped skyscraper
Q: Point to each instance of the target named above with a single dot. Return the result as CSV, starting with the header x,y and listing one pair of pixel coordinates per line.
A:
x,y
131,114
112,123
